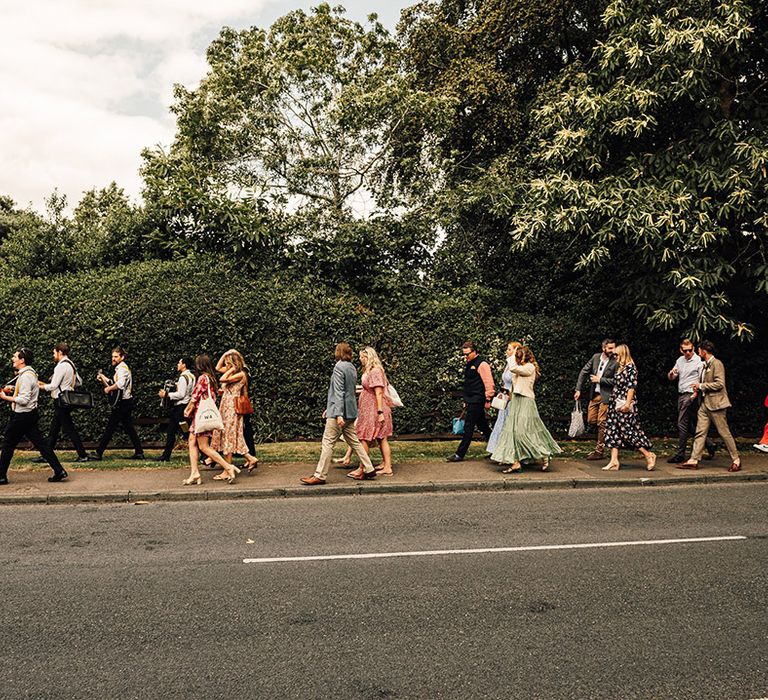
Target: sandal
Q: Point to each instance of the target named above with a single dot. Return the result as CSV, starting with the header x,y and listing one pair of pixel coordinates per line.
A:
x,y
512,469
611,467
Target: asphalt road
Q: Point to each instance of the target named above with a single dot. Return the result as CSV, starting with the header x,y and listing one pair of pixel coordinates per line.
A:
x,y
150,601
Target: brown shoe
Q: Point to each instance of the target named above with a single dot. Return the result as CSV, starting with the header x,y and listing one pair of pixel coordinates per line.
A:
x,y
312,481
688,465
735,467
595,456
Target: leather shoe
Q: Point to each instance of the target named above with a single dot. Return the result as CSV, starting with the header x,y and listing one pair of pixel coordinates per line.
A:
x,y
676,459
61,476
39,460
312,481
735,467
3,482
94,457
454,458
595,456
137,456
687,465
81,460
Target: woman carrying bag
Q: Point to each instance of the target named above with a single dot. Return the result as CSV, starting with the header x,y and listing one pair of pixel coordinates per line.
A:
x,y
205,418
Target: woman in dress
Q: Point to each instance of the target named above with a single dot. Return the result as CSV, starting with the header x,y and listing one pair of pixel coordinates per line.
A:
x,y
524,435
622,427
234,382
506,380
205,387
374,419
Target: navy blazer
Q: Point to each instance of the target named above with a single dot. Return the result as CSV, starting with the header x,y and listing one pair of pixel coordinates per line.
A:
x,y
341,392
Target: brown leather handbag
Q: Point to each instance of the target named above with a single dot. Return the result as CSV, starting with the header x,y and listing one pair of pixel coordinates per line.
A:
x,y
243,406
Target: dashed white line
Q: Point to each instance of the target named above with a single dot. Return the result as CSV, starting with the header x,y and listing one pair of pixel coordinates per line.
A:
x,y
491,550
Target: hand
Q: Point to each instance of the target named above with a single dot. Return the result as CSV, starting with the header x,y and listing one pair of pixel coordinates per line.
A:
x,y
487,405
576,395
340,421
594,378
325,415
106,389
161,393
41,385
626,408
695,386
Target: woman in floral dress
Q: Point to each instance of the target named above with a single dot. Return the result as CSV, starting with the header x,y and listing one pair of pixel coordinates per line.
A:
x,y
374,419
205,387
507,380
622,427
234,382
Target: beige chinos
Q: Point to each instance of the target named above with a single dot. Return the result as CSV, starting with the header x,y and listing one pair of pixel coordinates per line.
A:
x,y
331,435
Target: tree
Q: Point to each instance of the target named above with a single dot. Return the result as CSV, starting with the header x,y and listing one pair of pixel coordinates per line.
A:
x,y
652,159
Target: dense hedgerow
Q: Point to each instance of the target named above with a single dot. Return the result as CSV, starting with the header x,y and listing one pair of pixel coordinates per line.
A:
x,y
287,329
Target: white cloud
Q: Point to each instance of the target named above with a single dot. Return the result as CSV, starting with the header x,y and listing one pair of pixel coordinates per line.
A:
x,y
87,84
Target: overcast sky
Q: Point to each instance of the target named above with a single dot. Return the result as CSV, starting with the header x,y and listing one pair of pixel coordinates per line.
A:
x,y
86,84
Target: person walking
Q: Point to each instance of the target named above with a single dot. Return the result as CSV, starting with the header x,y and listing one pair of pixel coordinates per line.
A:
x,y
179,399
234,381
622,427
713,409
205,388
478,392
340,414
524,435
600,371
374,417
686,372
119,389
65,378
507,378
24,419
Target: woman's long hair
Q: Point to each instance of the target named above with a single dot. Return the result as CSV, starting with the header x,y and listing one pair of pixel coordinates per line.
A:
x,y
203,365
623,357
373,360
524,355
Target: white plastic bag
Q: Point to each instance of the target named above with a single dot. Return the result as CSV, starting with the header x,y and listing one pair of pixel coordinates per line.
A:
x,y
577,426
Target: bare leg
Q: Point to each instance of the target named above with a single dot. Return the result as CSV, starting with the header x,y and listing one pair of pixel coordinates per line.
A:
x,y
650,459
203,442
194,457
386,456
613,465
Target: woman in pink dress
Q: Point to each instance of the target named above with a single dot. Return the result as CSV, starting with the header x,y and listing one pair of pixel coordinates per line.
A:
x,y
374,420
234,382
205,387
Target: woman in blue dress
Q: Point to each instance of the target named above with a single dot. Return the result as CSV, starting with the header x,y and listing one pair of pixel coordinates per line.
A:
x,y
506,379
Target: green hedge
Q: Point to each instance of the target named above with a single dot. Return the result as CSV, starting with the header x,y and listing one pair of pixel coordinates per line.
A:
x,y
287,330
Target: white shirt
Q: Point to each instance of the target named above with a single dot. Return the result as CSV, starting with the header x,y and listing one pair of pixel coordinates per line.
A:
x,y
63,379
600,370
124,380
184,387
26,391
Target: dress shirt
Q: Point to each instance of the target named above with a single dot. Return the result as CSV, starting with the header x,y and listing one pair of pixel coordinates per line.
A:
x,y
600,370
63,378
689,371
184,387
26,391
124,380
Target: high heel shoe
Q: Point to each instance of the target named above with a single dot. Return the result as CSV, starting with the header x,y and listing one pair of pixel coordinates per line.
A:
x,y
651,462
611,467
193,481
252,465
547,464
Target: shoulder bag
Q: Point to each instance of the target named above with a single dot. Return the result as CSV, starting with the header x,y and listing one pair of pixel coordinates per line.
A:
x,y
243,406
208,416
78,396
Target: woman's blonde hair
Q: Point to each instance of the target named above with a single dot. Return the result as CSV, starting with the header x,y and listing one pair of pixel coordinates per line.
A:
x,y
514,344
237,361
373,360
623,357
524,355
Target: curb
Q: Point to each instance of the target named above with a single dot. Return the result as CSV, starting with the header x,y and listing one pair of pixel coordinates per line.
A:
x,y
504,484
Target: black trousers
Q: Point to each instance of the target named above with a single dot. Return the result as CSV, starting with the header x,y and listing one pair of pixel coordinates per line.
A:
x,y
20,426
62,418
122,414
175,417
473,418
248,434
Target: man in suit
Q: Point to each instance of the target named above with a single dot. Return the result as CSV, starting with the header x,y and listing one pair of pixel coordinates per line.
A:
x,y
601,371
340,414
714,405
478,392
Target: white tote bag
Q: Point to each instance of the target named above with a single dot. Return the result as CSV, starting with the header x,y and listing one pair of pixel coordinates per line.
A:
x,y
394,398
208,417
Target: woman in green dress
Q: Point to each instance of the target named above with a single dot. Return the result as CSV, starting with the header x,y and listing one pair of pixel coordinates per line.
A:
x,y
524,435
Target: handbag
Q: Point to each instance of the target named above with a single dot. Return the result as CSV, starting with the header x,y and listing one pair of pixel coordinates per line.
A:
x,y
208,416
500,401
577,426
243,406
77,396
393,397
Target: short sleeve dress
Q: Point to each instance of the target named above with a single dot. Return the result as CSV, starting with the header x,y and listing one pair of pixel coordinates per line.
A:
x,y
623,430
232,439
368,427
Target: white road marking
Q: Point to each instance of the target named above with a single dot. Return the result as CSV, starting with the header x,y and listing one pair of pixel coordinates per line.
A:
x,y
491,550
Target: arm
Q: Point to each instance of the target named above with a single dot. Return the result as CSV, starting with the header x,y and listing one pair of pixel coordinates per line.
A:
x,y
181,389
586,370
231,377
220,365
338,383
525,370
58,377
485,374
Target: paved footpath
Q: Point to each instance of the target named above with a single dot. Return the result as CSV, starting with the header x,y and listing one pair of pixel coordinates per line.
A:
x,y
276,480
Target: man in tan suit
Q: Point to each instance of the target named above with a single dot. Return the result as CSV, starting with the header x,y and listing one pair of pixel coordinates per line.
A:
x,y
713,408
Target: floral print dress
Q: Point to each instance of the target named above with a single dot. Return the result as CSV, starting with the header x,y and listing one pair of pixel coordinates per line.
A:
x,y
231,440
623,430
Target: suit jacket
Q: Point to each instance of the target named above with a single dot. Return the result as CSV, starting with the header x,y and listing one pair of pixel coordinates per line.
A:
x,y
606,382
712,386
341,392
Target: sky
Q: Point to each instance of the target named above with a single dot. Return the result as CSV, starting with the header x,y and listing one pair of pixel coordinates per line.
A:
x,y
87,83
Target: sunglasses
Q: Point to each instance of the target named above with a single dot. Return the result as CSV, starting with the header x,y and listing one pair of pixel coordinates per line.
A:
x,y
686,350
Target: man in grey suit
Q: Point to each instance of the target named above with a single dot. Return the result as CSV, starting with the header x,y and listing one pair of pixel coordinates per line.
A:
x,y
600,370
340,414
712,410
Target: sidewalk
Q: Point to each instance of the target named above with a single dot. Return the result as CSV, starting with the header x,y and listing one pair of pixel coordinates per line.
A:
x,y
280,480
